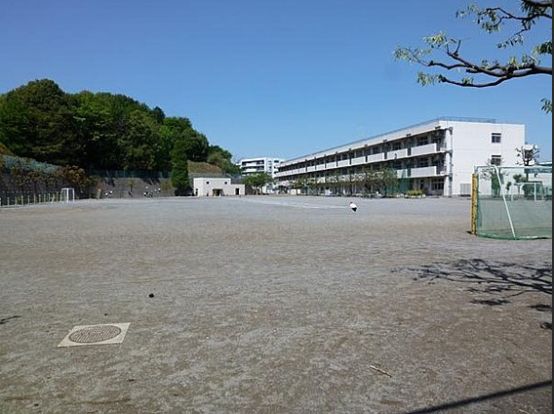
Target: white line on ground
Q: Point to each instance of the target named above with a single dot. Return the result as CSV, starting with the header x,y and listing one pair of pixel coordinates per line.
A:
x,y
294,205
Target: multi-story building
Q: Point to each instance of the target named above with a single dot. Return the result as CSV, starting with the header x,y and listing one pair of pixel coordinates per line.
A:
x,y
268,165
437,157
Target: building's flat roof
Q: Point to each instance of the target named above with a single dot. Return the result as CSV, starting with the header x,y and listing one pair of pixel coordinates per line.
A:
x,y
382,135
260,158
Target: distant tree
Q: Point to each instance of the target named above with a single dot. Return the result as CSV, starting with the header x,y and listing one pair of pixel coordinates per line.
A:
x,y
487,72
139,142
197,146
159,115
36,121
390,181
257,181
97,130
528,154
222,158
179,172
195,143
77,178
383,180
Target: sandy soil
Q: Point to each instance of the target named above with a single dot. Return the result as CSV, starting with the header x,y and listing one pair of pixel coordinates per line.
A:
x,y
272,305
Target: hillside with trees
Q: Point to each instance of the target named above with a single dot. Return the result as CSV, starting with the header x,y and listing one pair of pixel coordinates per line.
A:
x,y
99,131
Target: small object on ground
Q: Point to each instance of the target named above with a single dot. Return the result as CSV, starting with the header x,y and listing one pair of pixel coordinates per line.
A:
x,y
353,206
151,295
546,325
380,371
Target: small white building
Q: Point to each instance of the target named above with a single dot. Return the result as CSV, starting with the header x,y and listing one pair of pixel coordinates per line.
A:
x,y
216,187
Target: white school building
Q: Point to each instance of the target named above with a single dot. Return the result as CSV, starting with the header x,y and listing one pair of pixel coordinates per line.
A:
x,y
437,157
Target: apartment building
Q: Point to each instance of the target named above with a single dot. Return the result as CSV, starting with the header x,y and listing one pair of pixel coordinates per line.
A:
x,y
268,165
437,157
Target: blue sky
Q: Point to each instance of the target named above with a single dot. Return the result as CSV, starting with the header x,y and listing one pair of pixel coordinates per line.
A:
x,y
263,77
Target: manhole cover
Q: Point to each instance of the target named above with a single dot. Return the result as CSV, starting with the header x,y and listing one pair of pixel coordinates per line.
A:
x,y
94,334
103,334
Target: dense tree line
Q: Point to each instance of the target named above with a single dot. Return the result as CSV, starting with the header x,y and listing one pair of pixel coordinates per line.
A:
x,y
98,131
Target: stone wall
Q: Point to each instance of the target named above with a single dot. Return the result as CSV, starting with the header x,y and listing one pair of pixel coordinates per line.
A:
x,y
131,187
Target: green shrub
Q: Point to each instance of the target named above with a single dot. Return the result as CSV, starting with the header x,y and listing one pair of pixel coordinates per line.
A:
x,y
414,193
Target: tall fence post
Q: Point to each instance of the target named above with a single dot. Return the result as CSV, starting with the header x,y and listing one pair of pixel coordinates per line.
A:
x,y
474,202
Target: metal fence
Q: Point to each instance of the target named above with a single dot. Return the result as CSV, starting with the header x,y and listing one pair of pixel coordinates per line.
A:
x,y
512,202
9,199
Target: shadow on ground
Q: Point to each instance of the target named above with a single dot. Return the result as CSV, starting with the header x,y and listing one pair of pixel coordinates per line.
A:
x,y
494,282
482,398
499,279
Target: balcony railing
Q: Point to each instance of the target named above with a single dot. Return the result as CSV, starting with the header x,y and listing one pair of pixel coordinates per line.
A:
x,y
394,155
424,149
421,172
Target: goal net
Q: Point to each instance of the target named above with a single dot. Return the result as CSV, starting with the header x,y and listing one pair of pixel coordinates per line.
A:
x,y
512,202
67,195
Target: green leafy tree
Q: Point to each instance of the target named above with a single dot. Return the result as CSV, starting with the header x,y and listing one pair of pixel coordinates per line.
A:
x,y
139,142
97,130
97,127
179,172
197,146
257,181
222,158
456,68
158,114
389,181
77,178
36,121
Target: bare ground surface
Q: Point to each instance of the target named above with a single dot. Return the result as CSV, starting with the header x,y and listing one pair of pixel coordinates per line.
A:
x,y
272,305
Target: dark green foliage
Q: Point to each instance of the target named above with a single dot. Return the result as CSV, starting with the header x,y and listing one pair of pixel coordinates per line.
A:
x,y
4,150
97,131
139,142
222,158
36,121
77,178
179,172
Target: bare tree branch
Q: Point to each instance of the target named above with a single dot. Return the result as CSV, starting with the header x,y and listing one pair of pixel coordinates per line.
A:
x,y
490,19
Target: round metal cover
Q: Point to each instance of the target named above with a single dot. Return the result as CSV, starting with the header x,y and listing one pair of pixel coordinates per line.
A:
x,y
94,334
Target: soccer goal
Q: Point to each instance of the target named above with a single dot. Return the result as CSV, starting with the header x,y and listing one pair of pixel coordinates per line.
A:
x,y
512,202
67,195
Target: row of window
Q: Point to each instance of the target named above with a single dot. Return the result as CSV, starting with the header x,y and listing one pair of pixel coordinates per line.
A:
x,y
380,149
496,138
412,163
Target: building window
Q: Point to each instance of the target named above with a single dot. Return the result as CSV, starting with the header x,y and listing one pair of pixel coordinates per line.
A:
x,y
422,141
396,146
496,138
496,160
437,184
423,162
